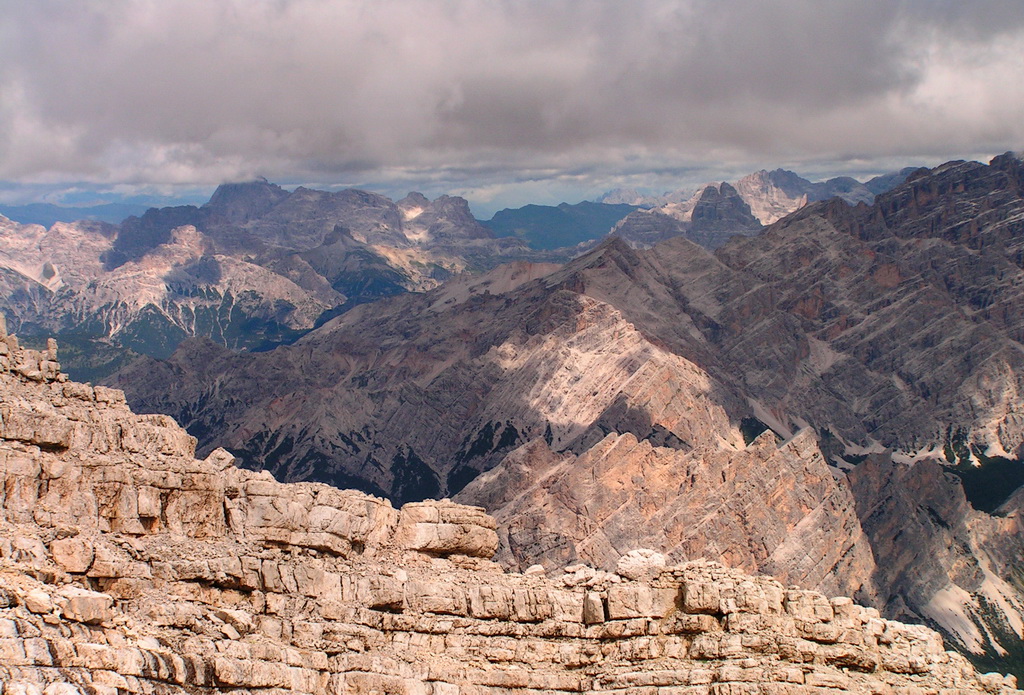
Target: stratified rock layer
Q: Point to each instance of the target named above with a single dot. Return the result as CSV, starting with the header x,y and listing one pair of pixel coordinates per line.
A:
x,y
769,508
127,566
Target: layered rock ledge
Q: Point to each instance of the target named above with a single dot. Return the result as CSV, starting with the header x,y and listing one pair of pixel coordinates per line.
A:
x,y
127,566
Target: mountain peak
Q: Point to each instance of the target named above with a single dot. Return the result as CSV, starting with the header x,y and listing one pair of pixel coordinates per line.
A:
x,y
240,202
414,198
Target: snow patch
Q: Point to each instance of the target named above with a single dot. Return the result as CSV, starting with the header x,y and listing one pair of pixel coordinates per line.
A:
x,y
932,451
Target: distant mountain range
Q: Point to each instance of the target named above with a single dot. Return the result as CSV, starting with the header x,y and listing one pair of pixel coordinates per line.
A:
x,y
716,212
722,210
258,265
48,214
552,227
254,267
771,195
769,192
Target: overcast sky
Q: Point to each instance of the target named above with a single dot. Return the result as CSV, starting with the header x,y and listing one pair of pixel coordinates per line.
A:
x,y
504,102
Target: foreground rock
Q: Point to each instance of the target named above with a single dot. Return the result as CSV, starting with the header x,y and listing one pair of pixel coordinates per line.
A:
x,y
127,566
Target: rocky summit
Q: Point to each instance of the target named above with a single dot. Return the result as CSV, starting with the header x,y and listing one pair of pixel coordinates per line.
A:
x,y
129,566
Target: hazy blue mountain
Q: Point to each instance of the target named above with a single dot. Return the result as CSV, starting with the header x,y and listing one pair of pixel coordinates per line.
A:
x,y
46,214
886,182
550,227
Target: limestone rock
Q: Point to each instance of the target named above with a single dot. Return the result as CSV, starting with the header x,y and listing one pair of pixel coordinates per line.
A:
x,y
38,601
84,606
209,579
774,194
642,563
444,528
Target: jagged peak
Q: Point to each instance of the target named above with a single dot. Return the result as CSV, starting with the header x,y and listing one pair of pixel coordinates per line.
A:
x,y
341,235
414,199
1013,164
716,191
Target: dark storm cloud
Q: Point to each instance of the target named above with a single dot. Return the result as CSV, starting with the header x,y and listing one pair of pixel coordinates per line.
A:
x,y
191,91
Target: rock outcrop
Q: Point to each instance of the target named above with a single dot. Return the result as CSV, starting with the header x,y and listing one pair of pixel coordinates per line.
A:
x,y
774,194
127,566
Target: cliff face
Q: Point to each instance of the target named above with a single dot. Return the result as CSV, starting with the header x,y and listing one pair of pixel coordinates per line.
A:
x,y
126,565
774,194
710,218
775,509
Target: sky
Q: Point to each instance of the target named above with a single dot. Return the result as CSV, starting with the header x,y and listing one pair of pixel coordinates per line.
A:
x,y
501,101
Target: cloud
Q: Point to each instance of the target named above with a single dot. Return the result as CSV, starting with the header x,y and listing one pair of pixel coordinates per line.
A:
x,y
200,91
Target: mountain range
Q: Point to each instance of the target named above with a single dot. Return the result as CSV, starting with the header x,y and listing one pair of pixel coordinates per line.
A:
x,y
254,267
718,211
834,401
770,192
258,266
551,227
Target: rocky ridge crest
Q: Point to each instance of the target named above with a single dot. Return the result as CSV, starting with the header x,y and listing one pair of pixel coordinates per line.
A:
x,y
126,565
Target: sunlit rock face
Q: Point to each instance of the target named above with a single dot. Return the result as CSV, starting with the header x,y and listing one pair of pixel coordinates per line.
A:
x,y
772,195
127,565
